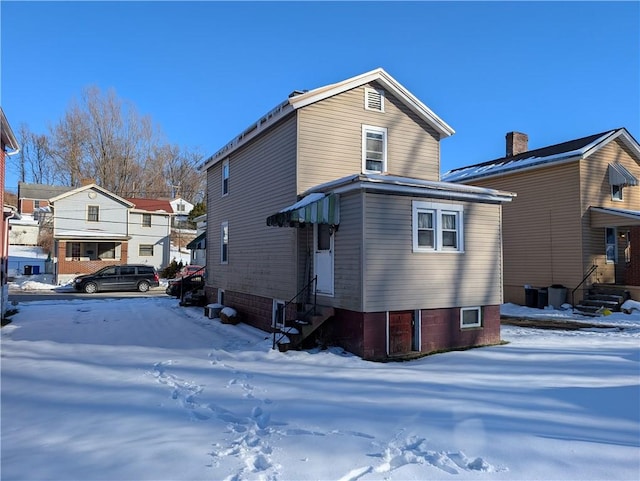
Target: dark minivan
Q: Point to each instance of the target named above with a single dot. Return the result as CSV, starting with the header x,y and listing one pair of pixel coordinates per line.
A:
x,y
128,277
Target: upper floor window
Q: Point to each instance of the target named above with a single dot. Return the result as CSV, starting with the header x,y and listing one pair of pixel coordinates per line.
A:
x,y
93,213
225,177
374,149
146,220
181,207
374,99
616,192
437,227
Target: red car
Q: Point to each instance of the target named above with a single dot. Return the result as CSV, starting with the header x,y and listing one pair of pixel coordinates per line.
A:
x,y
189,278
189,270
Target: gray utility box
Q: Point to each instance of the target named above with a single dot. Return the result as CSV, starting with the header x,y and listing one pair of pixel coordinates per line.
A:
x,y
557,295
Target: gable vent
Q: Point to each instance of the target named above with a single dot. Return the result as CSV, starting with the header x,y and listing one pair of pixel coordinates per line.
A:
x,y
374,100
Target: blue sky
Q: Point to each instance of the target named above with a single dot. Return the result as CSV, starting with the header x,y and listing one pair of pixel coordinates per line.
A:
x,y
203,71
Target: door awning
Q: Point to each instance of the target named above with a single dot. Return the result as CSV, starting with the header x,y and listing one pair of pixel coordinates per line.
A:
x,y
619,175
316,208
607,217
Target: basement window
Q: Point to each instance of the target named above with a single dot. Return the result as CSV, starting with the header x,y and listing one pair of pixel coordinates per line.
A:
x,y
470,317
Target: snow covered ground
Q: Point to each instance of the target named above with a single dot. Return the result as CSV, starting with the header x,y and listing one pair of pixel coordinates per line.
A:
x,y
143,389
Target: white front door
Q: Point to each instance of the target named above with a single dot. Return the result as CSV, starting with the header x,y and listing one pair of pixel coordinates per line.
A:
x,y
323,258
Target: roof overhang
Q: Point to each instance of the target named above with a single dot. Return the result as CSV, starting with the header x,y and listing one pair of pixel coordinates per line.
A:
x,y
95,187
307,98
6,133
90,236
625,137
608,217
194,243
383,78
418,187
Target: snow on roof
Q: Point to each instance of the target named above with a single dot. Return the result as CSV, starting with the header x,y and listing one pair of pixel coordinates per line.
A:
x,y
566,151
428,188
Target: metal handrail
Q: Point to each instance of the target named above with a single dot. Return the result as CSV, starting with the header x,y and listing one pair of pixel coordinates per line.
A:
x,y
283,309
593,268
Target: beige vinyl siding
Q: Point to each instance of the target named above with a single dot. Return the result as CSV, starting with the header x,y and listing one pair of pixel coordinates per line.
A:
x,y
597,192
399,279
541,228
330,139
262,259
348,254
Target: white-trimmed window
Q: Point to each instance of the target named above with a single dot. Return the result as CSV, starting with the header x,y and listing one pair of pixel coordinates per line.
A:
x,y
93,213
374,149
374,99
225,177
616,192
437,227
145,250
221,296
224,243
470,317
146,220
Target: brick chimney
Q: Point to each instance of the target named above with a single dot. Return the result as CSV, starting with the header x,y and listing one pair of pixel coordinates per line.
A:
x,y
517,143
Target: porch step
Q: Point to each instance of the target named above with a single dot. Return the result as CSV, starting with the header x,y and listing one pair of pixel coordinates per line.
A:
x,y
601,297
299,329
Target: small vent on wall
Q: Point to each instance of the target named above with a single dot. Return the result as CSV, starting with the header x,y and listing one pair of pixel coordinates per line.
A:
x,y
374,100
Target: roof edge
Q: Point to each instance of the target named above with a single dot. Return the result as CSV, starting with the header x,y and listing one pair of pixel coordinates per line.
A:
x,y
302,100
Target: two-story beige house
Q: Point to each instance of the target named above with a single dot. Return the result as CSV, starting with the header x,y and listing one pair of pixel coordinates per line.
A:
x,y
335,196
576,219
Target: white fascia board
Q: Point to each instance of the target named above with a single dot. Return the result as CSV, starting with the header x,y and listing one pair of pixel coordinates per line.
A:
x,y
536,163
496,197
153,212
322,93
630,214
624,135
406,185
92,235
7,132
274,115
104,191
387,81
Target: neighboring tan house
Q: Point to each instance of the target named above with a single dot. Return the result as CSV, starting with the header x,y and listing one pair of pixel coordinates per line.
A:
x,y
8,146
94,228
576,220
335,196
32,197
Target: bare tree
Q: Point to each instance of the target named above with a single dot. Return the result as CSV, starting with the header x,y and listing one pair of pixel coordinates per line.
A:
x,y
68,140
180,171
105,140
34,161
